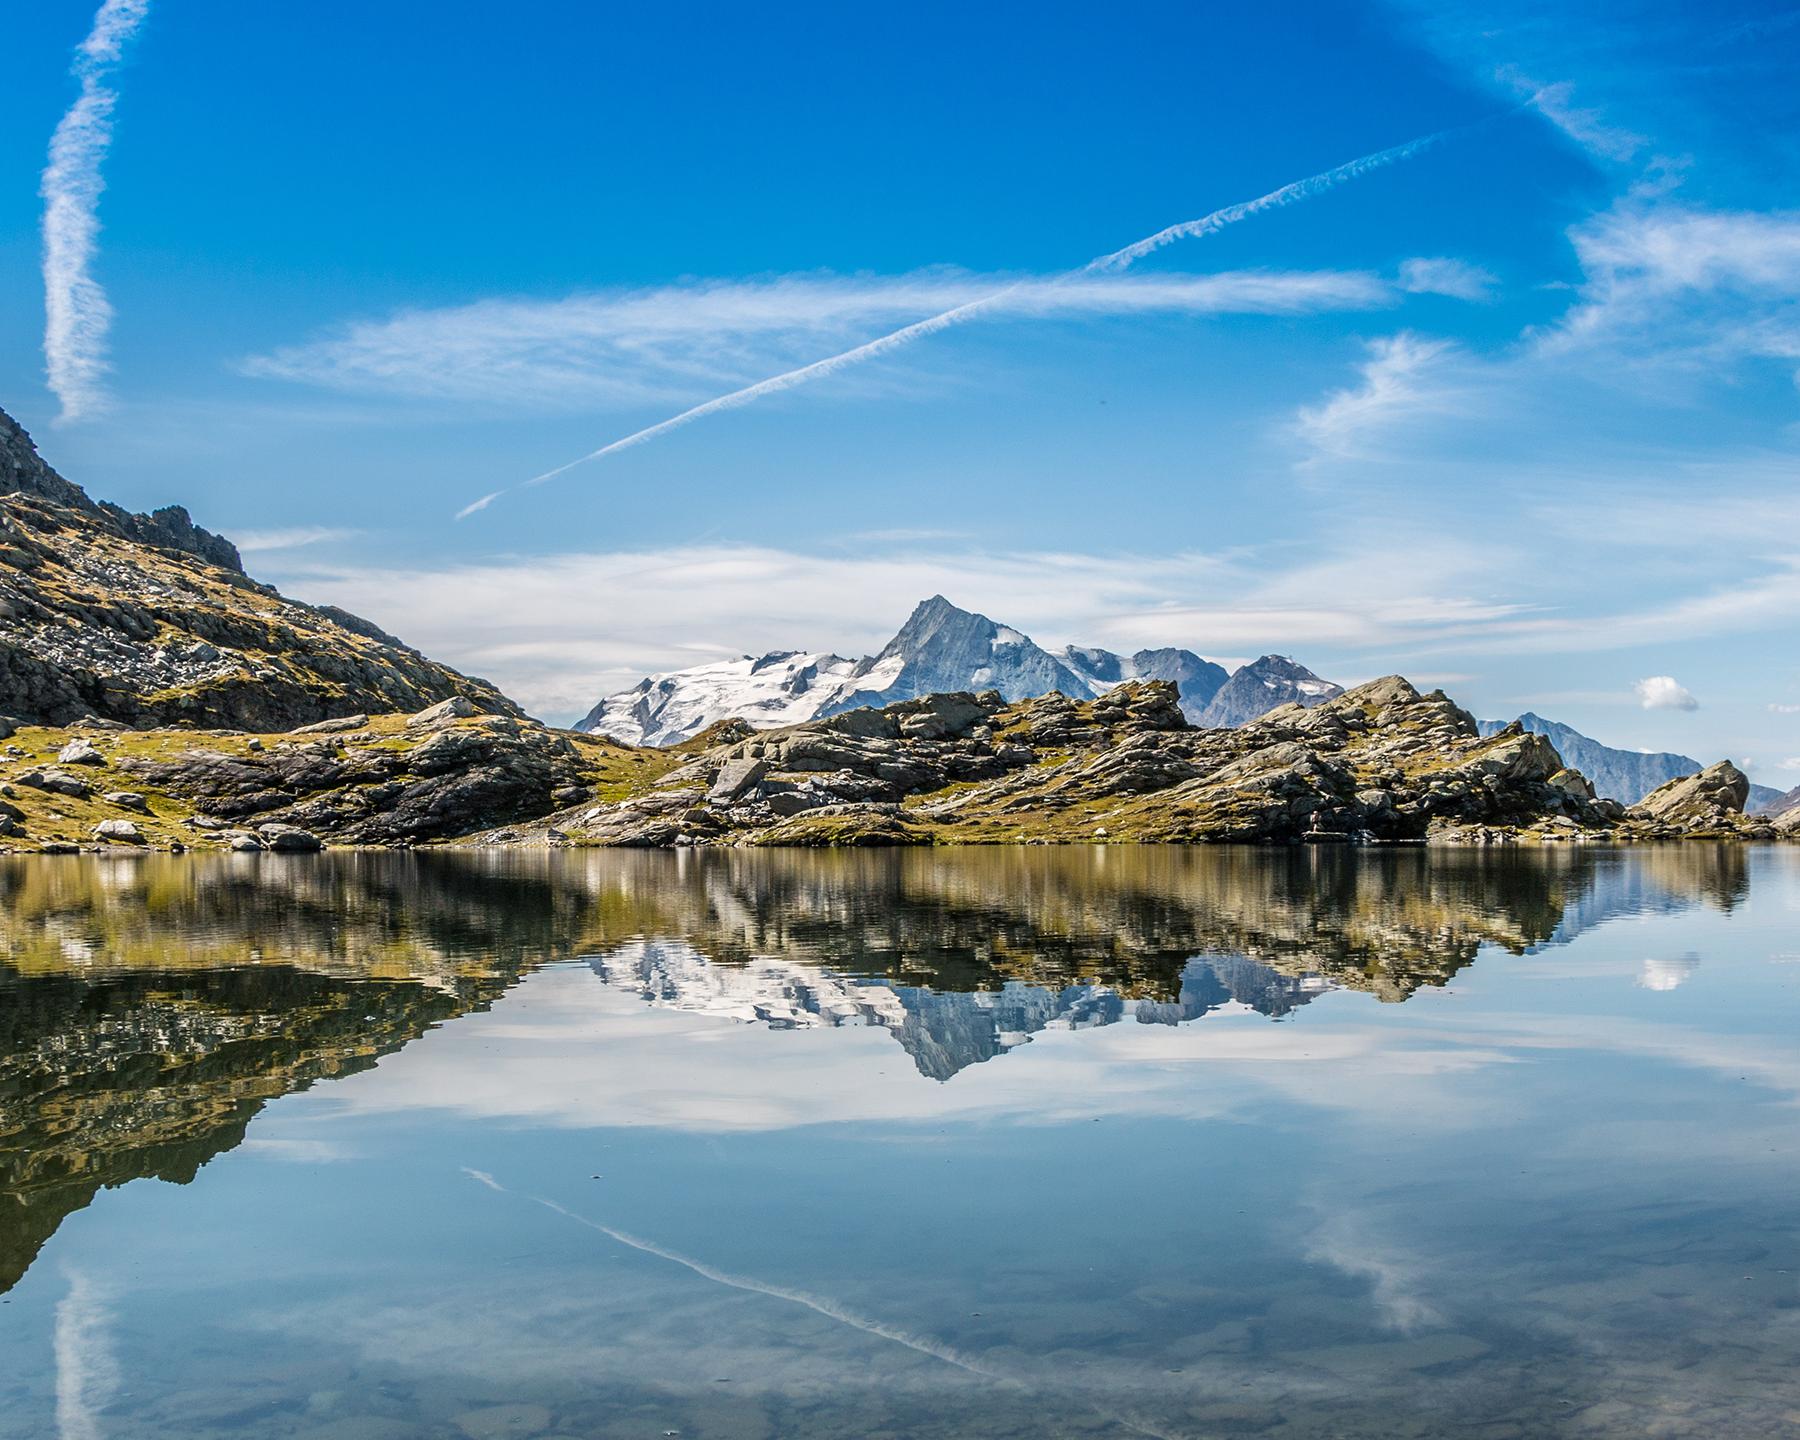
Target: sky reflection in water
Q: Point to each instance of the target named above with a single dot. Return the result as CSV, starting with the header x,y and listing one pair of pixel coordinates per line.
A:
x,y
1091,1142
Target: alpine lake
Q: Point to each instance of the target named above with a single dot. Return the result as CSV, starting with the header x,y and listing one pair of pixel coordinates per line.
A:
x,y
748,1145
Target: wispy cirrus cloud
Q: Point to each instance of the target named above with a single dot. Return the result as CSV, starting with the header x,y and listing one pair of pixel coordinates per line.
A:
x,y
77,315
257,541
1669,283
1292,193
629,347
1401,379
1587,125
1443,275
558,631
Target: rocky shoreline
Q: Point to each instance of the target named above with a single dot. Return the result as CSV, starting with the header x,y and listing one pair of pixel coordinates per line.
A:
x,y
1380,764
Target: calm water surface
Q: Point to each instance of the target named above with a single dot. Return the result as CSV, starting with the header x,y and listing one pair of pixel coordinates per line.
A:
x,y
1097,1142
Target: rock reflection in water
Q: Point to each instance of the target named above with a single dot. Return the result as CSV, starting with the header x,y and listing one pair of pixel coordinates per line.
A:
x,y
149,1007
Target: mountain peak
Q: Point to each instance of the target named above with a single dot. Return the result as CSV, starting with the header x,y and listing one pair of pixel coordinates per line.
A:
x,y
1260,686
942,648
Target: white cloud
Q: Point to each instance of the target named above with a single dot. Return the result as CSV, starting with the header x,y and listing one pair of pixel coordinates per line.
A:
x,y
87,1375
256,541
1791,763
1666,282
1428,275
1400,379
77,315
1775,708
628,347
1347,1241
1586,125
558,631
1664,692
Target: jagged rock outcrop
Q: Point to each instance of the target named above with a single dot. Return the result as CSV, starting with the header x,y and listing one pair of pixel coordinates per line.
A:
x,y
1198,680
150,620
1712,801
361,788
1623,775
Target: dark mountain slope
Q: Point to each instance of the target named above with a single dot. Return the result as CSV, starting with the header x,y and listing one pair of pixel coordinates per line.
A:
x,y
150,620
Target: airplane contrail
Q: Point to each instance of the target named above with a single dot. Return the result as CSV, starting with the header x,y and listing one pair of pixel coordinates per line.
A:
x,y
76,313
1289,194
818,1304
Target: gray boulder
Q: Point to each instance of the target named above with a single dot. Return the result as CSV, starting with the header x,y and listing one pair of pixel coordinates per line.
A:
x,y
58,782
290,839
1714,797
80,752
457,707
735,777
331,727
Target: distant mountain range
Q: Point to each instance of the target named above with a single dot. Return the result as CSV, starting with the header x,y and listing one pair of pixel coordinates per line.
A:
x,y
940,648
1629,775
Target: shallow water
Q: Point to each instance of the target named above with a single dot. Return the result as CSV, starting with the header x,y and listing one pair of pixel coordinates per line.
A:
x,y
1092,1142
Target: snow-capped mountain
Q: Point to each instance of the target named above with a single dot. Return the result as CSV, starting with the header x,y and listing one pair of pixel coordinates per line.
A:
x,y
939,648
783,687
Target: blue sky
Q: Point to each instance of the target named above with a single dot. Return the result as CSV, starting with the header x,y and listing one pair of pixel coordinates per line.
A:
x,y
1514,413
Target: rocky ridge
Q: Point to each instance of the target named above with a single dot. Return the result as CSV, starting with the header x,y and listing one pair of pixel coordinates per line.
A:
x,y
150,620
443,772
1381,762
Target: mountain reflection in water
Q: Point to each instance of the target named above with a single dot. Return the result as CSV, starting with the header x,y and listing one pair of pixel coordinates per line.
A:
x,y
150,1006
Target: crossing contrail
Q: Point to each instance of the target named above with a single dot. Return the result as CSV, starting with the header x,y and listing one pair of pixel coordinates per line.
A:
x,y
1290,194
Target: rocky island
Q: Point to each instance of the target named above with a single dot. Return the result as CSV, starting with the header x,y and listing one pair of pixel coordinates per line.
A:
x,y
154,695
